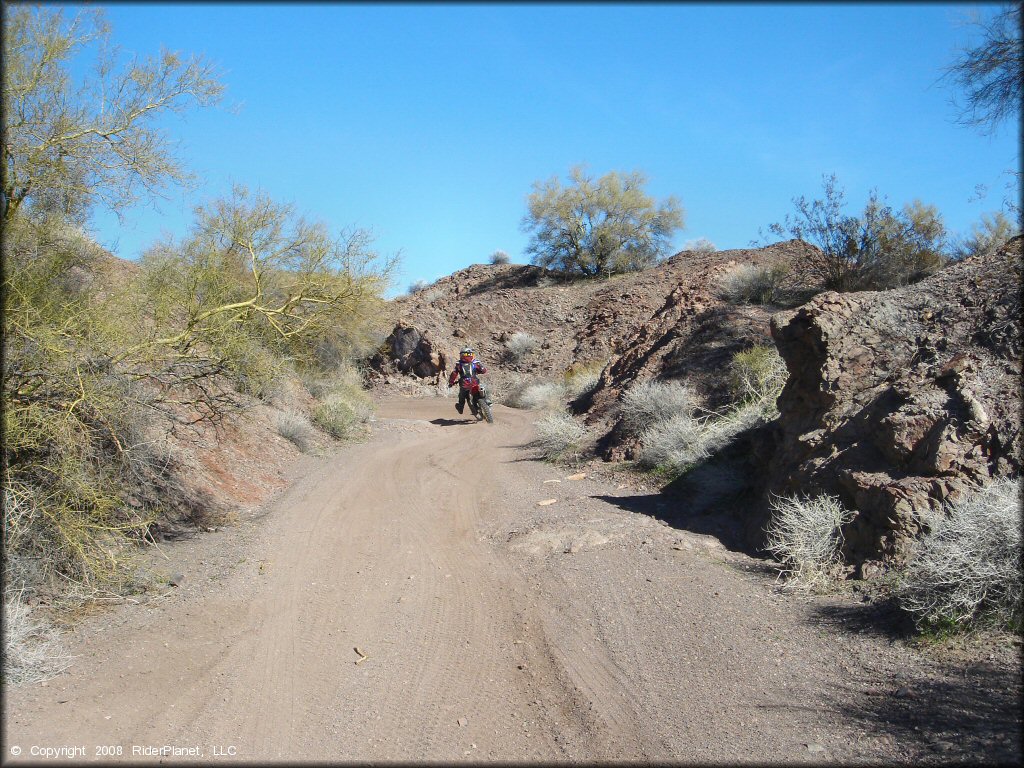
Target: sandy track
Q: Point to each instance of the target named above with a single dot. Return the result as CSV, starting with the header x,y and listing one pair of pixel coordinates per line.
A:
x,y
493,629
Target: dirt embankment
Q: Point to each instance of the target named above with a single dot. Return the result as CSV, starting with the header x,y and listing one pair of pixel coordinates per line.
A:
x,y
411,599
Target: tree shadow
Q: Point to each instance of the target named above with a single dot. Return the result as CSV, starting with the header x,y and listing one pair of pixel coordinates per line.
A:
x,y
969,714
882,619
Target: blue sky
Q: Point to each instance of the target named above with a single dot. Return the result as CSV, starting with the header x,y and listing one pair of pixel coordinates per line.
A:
x,y
429,123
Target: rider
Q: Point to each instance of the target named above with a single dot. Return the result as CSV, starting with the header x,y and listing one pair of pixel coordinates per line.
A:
x,y
467,367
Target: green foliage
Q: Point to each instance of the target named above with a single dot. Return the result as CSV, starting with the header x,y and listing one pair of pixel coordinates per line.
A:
x,y
344,408
757,375
881,248
988,235
98,360
594,227
68,145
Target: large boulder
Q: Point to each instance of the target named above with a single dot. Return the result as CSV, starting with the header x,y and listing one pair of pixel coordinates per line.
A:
x,y
410,351
899,400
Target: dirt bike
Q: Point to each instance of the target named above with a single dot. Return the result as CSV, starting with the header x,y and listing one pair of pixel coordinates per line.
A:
x,y
479,401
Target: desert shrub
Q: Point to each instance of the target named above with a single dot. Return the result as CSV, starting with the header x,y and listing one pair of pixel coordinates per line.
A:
x,y
674,443
700,245
294,426
987,236
536,395
95,358
753,284
345,407
757,375
339,416
32,649
431,294
558,435
519,345
654,402
805,534
877,249
966,570
500,257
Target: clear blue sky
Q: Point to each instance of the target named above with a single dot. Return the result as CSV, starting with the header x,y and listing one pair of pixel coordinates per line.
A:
x,y
428,123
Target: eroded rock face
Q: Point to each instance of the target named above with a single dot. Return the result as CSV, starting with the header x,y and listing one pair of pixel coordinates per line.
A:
x,y
410,350
898,400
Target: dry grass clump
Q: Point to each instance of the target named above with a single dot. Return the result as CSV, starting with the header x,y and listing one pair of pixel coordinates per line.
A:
x,y
294,426
675,443
519,345
677,434
966,570
499,257
559,435
32,649
655,402
805,534
582,378
754,284
534,396
701,246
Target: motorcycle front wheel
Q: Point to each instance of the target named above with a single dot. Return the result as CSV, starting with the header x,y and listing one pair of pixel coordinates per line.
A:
x,y
485,408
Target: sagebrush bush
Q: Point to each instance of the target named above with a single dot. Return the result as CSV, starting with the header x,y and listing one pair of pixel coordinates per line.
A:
x,y
519,345
294,426
674,443
533,396
966,570
500,257
558,435
652,402
805,534
754,284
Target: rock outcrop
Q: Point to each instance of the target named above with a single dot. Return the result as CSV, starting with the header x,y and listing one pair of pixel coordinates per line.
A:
x,y
410,351
665,322
898,400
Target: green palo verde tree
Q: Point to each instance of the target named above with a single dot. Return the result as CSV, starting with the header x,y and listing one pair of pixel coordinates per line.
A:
x,y
599,226
98,355
70,145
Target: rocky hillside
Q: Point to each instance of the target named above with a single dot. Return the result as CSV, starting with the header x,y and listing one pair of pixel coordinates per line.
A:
x,y
897,400
667,321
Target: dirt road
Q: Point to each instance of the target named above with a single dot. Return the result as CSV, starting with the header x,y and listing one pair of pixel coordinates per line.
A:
x,y
488,627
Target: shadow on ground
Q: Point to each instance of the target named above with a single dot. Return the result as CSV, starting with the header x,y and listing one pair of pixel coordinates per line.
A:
x,y
970,714
452,422
724,526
